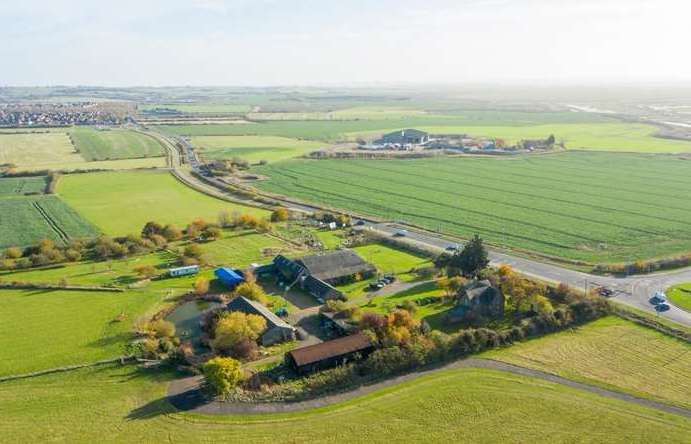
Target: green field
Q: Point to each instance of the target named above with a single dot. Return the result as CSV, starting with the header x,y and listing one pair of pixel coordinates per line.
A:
x,y
27,220
126,405
199,108
594,207
253,148
614,353
109,144
243,248
390,260
38,151
680,296
46,329
576,130
18,186
432,313
122,202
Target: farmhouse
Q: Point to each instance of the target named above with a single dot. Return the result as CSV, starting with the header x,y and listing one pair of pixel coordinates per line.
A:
x,y
403,137
329,354
478,299
229,277
183,271
277,330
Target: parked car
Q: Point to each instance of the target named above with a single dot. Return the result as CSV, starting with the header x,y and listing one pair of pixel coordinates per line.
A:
x,y
453,247
662,307
360,222
658,298
605,292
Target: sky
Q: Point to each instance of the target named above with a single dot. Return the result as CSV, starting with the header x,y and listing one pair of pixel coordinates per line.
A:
x,y
342,42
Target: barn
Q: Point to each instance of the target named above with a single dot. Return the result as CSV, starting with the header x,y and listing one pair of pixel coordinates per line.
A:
x,y
329,354
404,137
277,330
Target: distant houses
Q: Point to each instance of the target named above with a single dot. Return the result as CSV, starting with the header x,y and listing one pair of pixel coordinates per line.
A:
x,y
277,330
404,137
329,354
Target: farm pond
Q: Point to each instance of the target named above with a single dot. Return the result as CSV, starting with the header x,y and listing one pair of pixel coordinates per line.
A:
x,y
186,318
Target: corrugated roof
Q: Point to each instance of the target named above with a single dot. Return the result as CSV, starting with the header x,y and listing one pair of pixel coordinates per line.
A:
x,y
330,349
249,306
335,265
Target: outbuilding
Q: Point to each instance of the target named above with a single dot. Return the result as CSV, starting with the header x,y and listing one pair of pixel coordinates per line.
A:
x,y
404,137
329,354
229,277
277,330
183,271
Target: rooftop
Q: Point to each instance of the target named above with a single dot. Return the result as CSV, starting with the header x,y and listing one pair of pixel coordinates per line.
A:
x,y
330,349
245,305
337,264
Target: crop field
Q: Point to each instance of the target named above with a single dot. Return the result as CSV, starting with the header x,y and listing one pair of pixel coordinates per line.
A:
x,y
110,144
37,151
614,353
253,148
46,329
122,202
19,186
593,207
27,220
123,404
680,296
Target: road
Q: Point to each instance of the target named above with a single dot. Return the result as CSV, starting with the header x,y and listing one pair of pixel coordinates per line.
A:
x,y
634,291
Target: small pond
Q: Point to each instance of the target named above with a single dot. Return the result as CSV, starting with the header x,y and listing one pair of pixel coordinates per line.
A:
x,y
186,318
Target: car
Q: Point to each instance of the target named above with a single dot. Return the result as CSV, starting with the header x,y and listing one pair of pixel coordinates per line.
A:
x,y
605,292
401,233
360,222
658,298
453,247
662,307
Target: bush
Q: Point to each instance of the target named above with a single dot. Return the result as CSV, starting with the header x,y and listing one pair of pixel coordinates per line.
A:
x,y
235,327
222,375
280,215
201,286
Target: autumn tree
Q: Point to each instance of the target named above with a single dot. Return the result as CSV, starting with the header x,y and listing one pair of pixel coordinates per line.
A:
x,y
222,375
253,291
235,327
280,215
201,286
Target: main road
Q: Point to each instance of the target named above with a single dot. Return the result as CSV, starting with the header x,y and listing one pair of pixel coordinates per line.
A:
x,y
634,291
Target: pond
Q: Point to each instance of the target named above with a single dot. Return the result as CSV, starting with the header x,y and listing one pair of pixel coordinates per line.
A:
x,y
186,318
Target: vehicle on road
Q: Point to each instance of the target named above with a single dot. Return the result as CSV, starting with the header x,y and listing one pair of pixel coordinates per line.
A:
x,y
658,298
401,233
662,307
605,292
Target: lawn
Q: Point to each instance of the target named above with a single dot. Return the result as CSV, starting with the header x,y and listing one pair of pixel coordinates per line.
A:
x,y
390,260
243,248
680,296
26,220
254,149
18,186
46,329
591,207
123,404
122,202
108,144
613,353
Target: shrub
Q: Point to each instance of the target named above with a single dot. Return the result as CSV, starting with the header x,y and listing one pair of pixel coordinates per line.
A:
x,y
13,253
201,286
236,327
253,291
222,375
280,215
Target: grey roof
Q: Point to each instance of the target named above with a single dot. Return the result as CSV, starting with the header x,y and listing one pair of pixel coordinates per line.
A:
x,y
406,133
335,265
482,290
320,288
289,268
249,306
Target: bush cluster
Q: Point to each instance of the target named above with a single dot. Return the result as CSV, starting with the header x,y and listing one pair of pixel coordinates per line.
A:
x,y
640,267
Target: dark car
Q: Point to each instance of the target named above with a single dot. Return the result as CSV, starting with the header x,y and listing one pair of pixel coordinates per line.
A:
x,y
360,222
605,292
662,307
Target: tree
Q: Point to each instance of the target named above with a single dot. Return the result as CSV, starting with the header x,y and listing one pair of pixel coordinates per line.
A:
x,y
222,375
212,232
550,140
172,233
160,329
472,259
13,253
194,251
152,228
201,286
145,271
280,215
235,327
252,290
452,285
225,219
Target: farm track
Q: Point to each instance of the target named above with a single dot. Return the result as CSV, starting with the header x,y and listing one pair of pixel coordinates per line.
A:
x,y
185,394
52,223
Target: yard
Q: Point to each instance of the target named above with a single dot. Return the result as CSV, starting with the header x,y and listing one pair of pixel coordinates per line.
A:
x,y
615,354
120,203
114,404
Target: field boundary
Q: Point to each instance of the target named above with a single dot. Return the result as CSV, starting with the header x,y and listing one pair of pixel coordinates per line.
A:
x,y
120,359
51,222
39,286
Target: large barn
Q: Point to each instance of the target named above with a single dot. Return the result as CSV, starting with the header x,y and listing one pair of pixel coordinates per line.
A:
x,y
404,137
329,354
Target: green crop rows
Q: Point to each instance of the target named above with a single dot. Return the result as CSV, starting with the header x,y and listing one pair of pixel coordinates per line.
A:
x,y
20,186
593,207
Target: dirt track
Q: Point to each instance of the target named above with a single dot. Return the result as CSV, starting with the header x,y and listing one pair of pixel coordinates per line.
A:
x,y
184,394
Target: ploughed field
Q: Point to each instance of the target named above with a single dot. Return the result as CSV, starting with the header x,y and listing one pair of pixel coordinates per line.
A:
x,y
591,207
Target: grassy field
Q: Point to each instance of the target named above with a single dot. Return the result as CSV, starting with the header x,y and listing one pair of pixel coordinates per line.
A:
x,y
254,148
111,144
199,108
613,353
38,150
431,313
241,249
27,220
125,405
46,329
594,207
122,202
680,296
391,260
19,186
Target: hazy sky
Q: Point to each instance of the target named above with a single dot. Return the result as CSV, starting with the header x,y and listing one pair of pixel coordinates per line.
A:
x,y
269,42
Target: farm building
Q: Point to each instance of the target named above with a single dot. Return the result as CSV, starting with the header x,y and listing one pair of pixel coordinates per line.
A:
x,y
229,277
478,299
277,330
329,354
183,271
336,324
317,274
404,137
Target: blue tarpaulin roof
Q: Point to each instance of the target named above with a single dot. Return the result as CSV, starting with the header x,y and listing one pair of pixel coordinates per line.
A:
x,y
229,277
